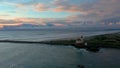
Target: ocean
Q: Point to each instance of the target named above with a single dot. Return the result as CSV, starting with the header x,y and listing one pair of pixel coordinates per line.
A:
x,y
41,35
15,55
26,55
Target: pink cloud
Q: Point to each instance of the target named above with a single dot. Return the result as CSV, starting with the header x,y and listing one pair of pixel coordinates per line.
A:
x,y
41,7
110,24
67,9
59,25
15,24
118,23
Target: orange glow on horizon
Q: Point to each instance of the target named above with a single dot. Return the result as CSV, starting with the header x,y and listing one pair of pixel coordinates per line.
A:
x,y
2,25
59,25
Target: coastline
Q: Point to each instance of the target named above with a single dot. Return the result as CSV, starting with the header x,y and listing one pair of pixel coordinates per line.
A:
x,y
111,40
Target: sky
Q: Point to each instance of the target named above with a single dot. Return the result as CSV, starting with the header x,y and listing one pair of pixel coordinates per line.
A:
x,y
60,13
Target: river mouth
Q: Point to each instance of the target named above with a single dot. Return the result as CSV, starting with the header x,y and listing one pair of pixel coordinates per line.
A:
x,y
14,55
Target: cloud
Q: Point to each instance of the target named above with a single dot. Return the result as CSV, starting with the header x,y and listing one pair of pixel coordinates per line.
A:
x,y
53,22
8,23
36,5
38,21
102,9
98,13
67,9
57,6
59,25
65,6
27,2
41,7
90,11
49,22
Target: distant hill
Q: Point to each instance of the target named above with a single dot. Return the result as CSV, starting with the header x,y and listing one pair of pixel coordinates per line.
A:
x,y
23,26
52,27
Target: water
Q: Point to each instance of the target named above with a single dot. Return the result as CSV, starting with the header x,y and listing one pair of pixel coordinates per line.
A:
x,y
37,35
14,55
48,56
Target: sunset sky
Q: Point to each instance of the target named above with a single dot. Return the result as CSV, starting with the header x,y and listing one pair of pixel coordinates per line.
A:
x,y
60,13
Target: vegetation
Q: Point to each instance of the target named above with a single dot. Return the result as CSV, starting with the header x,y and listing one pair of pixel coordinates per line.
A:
x,y
106,40
59,42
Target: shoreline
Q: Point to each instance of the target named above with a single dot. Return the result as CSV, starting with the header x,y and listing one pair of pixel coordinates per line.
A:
x,y
111,40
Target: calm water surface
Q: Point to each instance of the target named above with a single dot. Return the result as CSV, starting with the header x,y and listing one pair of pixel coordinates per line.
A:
x,y
48,56
47,35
